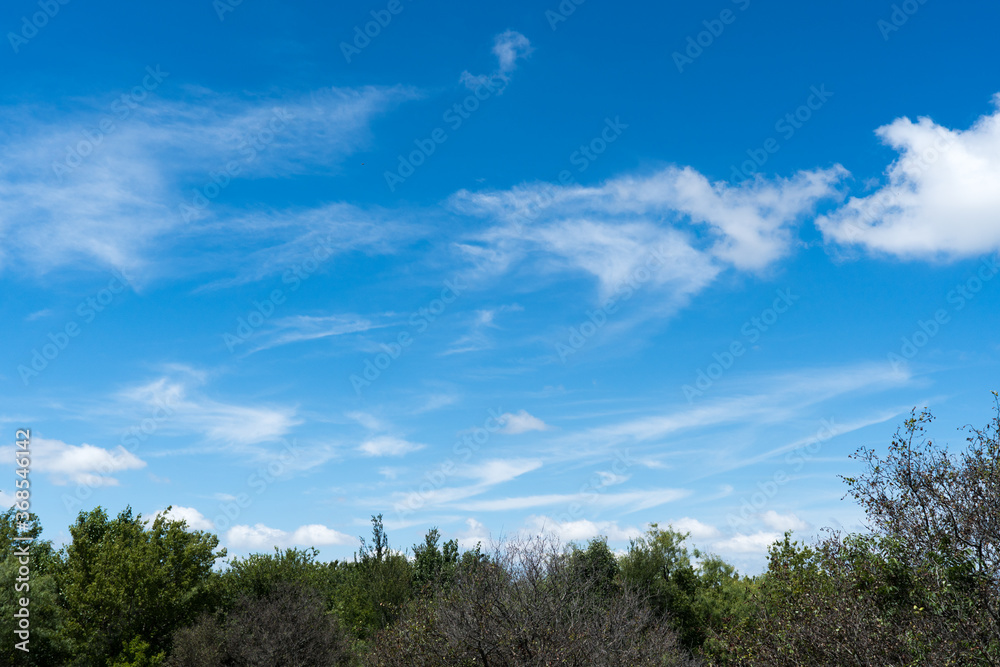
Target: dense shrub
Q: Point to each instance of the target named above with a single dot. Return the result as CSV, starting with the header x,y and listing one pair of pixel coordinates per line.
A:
x,y
530,604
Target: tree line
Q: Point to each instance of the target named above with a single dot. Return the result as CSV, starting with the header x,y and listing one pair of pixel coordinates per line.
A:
x,y
920,587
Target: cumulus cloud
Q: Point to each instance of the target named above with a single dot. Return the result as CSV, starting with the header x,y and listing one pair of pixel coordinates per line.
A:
x,y
754,543
260,536
697,529
941,198
82,464
476,533
581,530
783,522
521,422
195,519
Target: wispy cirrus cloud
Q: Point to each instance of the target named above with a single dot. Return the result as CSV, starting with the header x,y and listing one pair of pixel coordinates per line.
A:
x,y
301,328
185,409
123,197
697,228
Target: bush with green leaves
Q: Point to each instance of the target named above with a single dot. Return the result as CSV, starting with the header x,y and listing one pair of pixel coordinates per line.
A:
x,y
699,593
123,580
47,642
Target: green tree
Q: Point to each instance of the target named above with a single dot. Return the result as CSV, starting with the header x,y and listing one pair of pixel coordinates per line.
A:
x,y
375,586
434,566
700,593
47,644
128,585
257,575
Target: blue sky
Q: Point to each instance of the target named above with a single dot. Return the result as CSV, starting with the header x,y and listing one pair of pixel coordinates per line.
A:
x,y
491,268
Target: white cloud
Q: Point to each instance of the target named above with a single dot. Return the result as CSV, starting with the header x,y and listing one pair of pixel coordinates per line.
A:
x,y
486,475
305,327
633,501
369,421
498,471
610,231
697,529
767,399
387,445
176,408
7,500
389,473
521,422
581,530
783,522
260,536
195,519
756,543
941,199
82,464
508,47
120,207
477,533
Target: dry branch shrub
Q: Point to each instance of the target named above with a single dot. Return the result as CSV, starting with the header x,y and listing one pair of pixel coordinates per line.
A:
x,y
289,627
529,605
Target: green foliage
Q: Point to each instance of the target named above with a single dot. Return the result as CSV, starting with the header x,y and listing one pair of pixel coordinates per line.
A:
x,y
434,567
257,575
127,586
699,599
376,585
47,643
137,653
598,565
